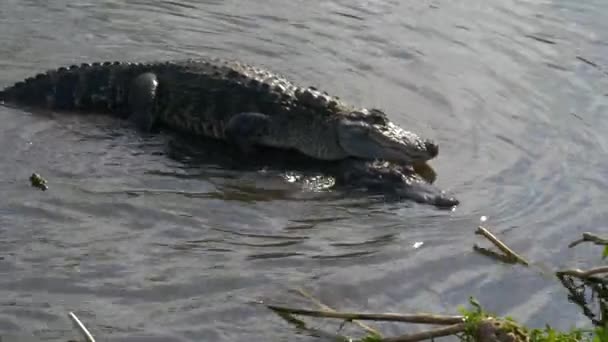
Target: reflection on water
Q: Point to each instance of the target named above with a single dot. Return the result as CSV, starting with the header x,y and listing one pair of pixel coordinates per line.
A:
x,y
146,244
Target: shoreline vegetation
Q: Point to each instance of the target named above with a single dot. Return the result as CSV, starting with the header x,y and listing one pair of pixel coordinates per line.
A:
x,y
475,324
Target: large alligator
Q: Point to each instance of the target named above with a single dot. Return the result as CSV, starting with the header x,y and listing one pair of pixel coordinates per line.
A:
x,y
225,100
244,106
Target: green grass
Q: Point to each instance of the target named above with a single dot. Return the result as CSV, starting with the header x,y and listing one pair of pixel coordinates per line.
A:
x,y
547,334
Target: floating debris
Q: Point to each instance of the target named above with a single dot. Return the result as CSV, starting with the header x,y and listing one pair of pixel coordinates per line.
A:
x,y
38,182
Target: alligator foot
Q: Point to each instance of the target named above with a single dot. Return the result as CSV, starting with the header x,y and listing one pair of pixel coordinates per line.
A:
x,y
142,95
247,129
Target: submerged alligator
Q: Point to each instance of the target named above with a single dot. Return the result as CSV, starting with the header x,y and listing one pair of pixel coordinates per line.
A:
x,y
391,181
225,100
246,106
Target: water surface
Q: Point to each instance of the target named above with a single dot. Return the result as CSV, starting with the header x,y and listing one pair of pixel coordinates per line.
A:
x,y
147,246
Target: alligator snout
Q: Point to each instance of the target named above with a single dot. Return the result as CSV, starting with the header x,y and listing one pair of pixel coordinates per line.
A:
x,y
443,201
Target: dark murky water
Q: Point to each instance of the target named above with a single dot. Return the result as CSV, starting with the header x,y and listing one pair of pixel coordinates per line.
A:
x,y
148,247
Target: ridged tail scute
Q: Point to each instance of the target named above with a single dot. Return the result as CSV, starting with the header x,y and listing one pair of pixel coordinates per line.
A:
x,y
96,86
31,91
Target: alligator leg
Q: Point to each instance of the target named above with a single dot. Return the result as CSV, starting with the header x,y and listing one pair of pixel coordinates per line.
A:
x,y
142,95
247,129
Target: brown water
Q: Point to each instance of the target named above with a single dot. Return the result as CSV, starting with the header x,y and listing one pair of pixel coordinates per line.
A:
x,y
144,246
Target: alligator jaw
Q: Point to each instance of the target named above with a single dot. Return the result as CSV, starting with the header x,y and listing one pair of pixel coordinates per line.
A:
x,y
385,141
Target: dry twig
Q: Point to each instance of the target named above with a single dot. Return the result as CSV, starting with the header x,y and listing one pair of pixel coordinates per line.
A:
x,y
578,273
500,245
387,317
81,328
590,237
362,325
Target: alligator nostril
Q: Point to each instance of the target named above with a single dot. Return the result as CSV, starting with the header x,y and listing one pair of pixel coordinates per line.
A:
x,y
432,148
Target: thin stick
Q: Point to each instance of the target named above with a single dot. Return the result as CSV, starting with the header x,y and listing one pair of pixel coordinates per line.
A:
x,y
583,274
389,317
362,325
428,334
590,237
500,245
83,330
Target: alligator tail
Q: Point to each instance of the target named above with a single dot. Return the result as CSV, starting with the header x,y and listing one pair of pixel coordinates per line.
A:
x,y
30,91
97,86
